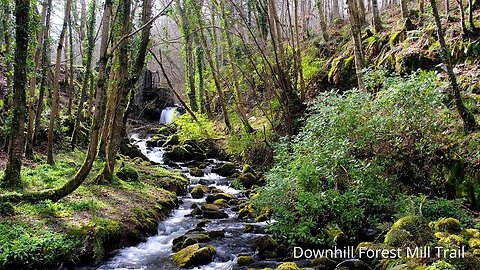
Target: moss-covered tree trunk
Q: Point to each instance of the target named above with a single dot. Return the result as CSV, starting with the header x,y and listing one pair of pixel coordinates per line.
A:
x,y
87,63
357,43
16,142
321,19
33,82
468,118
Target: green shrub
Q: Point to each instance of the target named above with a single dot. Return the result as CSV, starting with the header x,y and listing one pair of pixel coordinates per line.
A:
x,y
351,154
193,130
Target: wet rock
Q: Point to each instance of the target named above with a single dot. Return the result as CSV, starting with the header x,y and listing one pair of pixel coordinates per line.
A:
x,y
128,174
327,263
215,214
196,172
216,190
171,184
226,169
190,238
202,223
244,260
210,207
199,191
216,234
226,196
248,228
170,163
131,151
7,209
196,212
194,255
288,266
264,244
221,202
155,141
206,182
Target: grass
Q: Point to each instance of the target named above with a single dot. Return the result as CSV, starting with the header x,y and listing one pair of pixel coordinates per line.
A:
x,y
88,222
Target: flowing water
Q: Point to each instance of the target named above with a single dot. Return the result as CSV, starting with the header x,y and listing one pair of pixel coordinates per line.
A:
x,y
167,115
156,252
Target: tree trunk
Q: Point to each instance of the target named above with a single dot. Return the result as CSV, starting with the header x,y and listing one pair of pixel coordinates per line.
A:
x,y
361,11
377,22
15,150
298,53
321,19
470,16
462,18
468,119
404,9
357,43
213,69
239,100
56,86
125,85
87,71
33,81
70,86
335,9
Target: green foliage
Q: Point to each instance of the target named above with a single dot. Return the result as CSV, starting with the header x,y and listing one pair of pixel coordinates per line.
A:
x,y
193,130
24,245
346,157
311,65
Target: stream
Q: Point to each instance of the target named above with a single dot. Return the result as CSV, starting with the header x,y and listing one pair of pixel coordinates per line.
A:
x,y
156,252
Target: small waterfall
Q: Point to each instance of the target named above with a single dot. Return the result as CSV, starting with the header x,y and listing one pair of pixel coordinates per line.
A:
x,y
168,114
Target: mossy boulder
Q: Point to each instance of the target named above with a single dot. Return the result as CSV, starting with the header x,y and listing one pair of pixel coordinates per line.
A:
x,y
226,169
128,173
409,231
264,244
474,243
210,207
199,191
174,184
194,255
452,240
221,202
196,172
190,238
288,266
449,225
225,196
247,180
244,260
178,153
172,140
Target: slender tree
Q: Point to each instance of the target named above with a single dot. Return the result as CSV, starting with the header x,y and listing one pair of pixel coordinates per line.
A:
x,y
87,63
56,85
357,42
239,99
16,143
468,118
376,20
33,81
321,19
